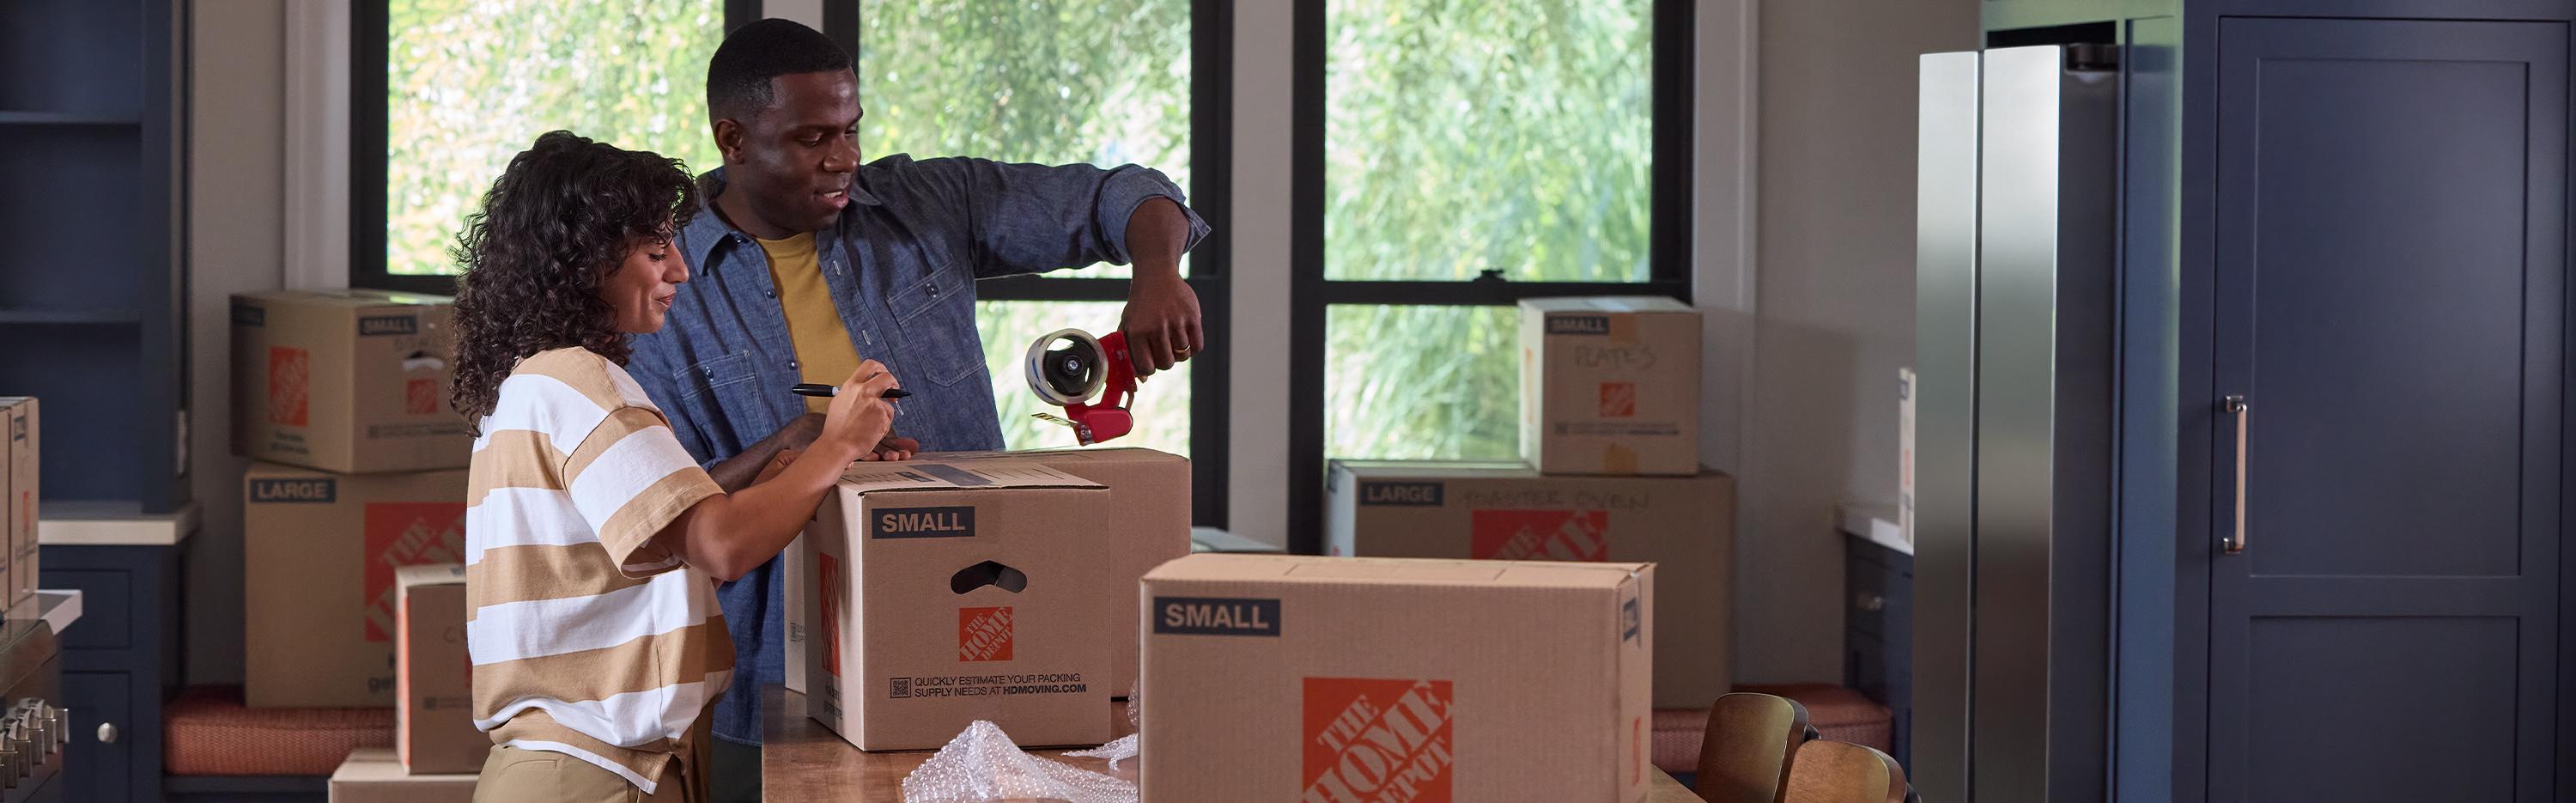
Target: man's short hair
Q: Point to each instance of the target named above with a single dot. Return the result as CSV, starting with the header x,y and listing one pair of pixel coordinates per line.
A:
x,y
739,74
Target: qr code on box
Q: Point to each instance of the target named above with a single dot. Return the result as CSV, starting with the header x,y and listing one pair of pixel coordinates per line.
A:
x,y
900,688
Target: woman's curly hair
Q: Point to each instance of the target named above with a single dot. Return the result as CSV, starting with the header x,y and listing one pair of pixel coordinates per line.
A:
x,y
560,220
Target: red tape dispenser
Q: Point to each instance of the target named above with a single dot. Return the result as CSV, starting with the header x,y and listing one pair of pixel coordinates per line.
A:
x,y
1069,367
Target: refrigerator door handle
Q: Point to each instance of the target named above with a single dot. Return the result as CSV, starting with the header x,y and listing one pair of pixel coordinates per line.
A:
x,y
2234,543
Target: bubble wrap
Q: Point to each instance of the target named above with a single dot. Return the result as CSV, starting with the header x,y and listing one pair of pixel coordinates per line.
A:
x,y
982,765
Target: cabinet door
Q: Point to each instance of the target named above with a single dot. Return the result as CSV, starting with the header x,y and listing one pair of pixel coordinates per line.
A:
x,y
2390,299
101,753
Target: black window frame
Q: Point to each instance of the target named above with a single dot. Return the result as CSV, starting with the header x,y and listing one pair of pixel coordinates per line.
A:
x,y
1211,172
1312,293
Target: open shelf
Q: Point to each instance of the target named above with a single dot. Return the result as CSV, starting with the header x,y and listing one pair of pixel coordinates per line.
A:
x,y
73,317
70,118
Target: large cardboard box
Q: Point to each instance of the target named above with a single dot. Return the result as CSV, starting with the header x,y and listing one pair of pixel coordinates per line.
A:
x,y
944,593
1151,491
1610,385
320,552
1505,511
19,495
371,775
1295,679
352,381
433,679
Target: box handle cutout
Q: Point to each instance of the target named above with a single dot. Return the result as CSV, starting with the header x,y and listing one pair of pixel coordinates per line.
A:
x,y
988,573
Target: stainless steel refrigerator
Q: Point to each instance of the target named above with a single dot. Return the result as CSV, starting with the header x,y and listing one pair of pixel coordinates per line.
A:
x,y
2016,260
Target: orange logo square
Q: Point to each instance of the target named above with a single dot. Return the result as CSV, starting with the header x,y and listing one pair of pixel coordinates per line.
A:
x,y
1618,399
828,571
1377,741
406,534
984,634
420,397
1539,535
290,381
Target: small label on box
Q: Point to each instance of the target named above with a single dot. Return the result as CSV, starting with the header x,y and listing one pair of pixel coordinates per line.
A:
x,y
1377,740
923,522
1578,324
249,315
380,325
1216,616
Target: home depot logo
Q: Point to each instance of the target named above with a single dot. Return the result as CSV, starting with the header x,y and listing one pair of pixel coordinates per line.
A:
x,y
1539,535
378,325
1377,741
984,634
1618,399
1578,324
420,397
827,571
1401,494
290,382
406,534
301,489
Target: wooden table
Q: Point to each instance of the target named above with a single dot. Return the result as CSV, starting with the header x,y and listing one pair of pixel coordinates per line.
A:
x,y
801,760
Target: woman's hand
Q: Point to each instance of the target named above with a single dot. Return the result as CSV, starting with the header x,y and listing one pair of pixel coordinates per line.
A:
x,y
858,419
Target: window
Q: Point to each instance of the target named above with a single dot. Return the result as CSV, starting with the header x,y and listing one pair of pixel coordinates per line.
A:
x,y
1456,156
469,83
1015,82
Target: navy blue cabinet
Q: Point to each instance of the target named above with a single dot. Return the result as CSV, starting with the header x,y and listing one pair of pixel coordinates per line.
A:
x,y
1878,634
120,663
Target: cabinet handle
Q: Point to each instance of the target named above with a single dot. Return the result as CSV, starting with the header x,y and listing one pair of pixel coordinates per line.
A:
x,y
2235,542
1869,603
107,732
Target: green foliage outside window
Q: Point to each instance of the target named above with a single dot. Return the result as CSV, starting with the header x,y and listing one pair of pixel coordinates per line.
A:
x,y
1463,136
471,83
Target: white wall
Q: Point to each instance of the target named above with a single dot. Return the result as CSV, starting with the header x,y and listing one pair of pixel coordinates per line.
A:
x,y
1835,301
236,197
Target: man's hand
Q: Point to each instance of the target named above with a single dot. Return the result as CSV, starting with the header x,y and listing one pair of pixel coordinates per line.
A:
x,y
1161,322
1162,315
894,447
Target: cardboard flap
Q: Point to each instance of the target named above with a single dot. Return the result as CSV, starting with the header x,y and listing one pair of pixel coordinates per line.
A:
x,y
916,475
435,574
351,298
1399,571
1607,304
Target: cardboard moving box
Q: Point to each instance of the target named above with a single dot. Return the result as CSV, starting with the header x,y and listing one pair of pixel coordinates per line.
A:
x,y
320,551
1279,678
1151,491
19,496
352,381
433,679
371,775
944,593
1610,385
1685,525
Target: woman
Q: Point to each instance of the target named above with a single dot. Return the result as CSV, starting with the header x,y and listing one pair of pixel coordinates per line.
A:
x,y
593,540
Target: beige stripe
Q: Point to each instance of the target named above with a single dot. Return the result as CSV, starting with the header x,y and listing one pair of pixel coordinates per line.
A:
x,y
585,371
620,423
535,724
651,662
542,571
629,532
513,458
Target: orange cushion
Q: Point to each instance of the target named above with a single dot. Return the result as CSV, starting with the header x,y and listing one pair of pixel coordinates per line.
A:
x,y
207,731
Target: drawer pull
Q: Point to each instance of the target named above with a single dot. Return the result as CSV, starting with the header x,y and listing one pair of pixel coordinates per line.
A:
x,y
107,733
1869,603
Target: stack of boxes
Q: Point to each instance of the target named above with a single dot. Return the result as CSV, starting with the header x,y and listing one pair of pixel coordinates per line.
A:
x,y
18,497
341,398
1609,472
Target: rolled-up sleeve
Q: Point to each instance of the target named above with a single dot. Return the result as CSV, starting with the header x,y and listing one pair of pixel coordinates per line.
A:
x,y
1031,218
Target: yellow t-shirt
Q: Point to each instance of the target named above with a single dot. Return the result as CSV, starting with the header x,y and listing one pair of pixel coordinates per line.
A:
x,y
823,351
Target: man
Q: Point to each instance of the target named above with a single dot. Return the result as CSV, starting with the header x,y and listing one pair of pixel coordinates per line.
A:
x,y
809,261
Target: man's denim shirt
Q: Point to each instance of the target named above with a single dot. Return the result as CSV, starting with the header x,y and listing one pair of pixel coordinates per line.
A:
x,y
901,261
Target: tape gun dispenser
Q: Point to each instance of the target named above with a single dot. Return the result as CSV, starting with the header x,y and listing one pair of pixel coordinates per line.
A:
x,y
1067,368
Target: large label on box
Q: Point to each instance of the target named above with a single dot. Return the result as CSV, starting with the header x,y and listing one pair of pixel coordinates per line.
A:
x,y
1370,740
406,534
1384,493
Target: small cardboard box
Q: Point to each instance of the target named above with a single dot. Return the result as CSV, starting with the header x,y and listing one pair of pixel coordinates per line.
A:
x,y
353,381
320,551
1279,678
19,496
1505,511
433,679
946,593
371,775
1610,385
1151,491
